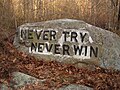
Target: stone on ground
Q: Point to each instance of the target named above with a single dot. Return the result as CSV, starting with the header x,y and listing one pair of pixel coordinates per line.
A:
x,y
70,41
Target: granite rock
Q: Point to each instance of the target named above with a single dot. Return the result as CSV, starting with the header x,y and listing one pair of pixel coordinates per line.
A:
x,y
96,46
20,80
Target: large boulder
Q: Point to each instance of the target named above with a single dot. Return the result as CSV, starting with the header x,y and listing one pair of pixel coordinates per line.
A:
x,y
70,41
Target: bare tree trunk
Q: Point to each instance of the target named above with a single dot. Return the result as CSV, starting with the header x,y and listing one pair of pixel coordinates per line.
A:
x,y
118,21
92,12
115,4
15,20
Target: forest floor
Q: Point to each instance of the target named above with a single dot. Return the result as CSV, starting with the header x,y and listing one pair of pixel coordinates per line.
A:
x,y
56,74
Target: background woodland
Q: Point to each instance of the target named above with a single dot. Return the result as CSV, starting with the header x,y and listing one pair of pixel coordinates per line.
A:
x,y
102,13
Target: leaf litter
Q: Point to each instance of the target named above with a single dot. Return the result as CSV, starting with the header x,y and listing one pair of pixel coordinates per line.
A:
x,y
54,74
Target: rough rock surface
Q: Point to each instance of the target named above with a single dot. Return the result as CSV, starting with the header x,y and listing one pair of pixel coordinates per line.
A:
x,y
20,80
108,43
75,87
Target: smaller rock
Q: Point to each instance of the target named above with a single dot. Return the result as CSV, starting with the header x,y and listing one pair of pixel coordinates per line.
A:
x,y
21,79
75,87
3,87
